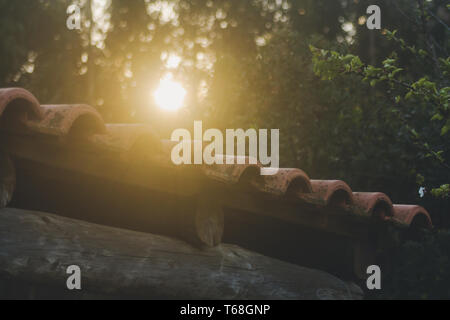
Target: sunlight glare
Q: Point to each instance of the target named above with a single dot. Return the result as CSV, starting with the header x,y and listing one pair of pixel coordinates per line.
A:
x,y
170,94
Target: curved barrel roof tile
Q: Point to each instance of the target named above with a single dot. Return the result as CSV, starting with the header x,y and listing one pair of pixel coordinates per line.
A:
x,y
21,99
62,120
233,169
375,204
286,182
334,193
412,215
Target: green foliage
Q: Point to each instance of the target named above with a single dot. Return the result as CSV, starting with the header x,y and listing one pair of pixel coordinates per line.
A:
x,y
419,269
433,95
442,192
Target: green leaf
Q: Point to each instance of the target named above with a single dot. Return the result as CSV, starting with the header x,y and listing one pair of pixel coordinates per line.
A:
x,y
409,95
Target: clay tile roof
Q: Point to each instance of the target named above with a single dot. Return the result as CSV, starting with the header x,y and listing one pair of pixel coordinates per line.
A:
x,y
289,194
412,215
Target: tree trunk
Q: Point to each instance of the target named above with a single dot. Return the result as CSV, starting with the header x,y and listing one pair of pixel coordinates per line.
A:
x,y
36,248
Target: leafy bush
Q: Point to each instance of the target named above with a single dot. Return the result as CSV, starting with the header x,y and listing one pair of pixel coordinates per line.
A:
x,y
433,96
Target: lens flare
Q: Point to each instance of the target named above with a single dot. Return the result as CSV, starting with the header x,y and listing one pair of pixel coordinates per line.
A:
x,y
169,95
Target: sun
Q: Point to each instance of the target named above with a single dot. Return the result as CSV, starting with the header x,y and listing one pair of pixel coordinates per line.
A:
x,y
170,94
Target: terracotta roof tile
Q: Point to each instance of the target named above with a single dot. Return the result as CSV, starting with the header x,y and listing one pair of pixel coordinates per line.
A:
x,y
333,193
412,215
286,182
21,99
64,120
232,173
374,204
